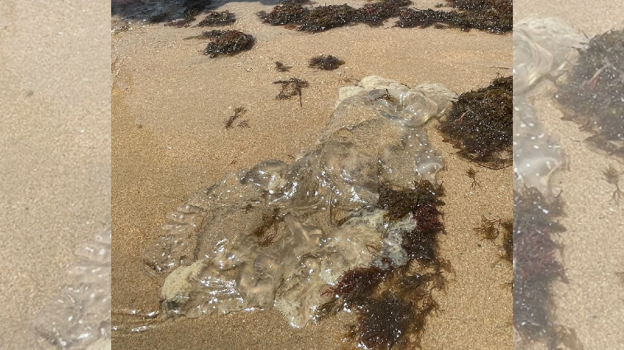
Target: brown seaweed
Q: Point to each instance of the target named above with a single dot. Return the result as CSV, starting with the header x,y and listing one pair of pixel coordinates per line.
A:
x,y
215,18
280,67
290,88
227,42
492,15
324,62
237,113
590,94
392,304
480,124
535,268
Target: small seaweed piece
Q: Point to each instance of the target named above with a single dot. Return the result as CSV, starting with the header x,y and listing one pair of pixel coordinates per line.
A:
x,y
489,229
280,67
269,220
328,62
386,96
590,94
215,18
237,113
472,173
290,88
480,124
227,42
612,176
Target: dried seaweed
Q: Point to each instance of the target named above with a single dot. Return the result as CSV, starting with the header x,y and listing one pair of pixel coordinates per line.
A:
x,y
392,304
237,113
480,124
217,19
328,62
612,176
590,94
290,88
472,173
227,42
535,268
491,15
280,67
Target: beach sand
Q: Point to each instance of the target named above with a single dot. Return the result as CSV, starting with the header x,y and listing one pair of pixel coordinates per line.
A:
x,y
55,143
169,106
592,302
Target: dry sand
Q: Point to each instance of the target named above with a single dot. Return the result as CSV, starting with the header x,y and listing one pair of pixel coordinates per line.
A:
x,y
55,144
170,104
592,303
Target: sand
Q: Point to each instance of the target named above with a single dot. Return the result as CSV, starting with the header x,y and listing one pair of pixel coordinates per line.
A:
x,y
592,303
169,106
55,143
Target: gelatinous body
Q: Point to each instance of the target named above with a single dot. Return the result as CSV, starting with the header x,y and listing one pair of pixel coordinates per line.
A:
x,y
281,234
80,316
541,46
536,153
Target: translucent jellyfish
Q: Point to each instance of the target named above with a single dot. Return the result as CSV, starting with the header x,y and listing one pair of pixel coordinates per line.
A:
x,y
537,154
80,317
541,46
279,235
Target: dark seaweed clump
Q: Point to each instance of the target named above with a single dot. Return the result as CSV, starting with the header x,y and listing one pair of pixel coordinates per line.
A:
x,y
328,62
490,229
591,94
321,18
495,16
392,303
536,267
215,18
491,15
227,42
480,124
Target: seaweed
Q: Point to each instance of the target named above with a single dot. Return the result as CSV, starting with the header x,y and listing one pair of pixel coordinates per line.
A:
x,y
491,15
237,113
495,16
215,18
480,124
383,321
400,202
612,176
377,13
536,267
290,88
269,220
590,94
392,304
328,62
227,42
472,173
280,67
489,229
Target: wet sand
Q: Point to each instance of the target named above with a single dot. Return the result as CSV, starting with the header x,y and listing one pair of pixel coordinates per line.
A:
x,y
55,142
169,107
592,301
